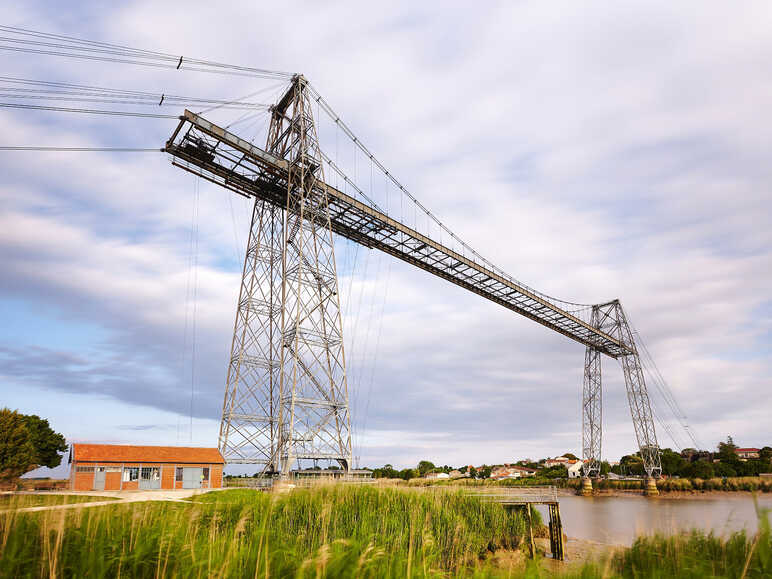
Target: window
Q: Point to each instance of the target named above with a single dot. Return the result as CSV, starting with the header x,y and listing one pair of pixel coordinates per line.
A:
x,y
130,473
151,473
206,473
84,469
112,469
178,474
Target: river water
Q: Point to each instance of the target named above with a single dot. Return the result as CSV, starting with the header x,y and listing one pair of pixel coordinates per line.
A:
x,y
619,519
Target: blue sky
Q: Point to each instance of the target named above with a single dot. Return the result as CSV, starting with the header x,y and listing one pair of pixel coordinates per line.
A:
x,y
592,151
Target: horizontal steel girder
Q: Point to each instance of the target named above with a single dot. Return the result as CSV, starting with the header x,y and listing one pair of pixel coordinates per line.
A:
x,y
213,153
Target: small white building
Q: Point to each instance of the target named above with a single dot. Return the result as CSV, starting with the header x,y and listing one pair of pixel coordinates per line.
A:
x,y
436,475
575,469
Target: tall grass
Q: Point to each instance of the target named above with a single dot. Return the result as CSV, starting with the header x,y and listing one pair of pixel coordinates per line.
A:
x,y
326,531
334,531
700,555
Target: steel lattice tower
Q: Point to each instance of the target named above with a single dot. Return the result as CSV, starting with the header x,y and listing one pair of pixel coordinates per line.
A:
x,y
286,397
610,319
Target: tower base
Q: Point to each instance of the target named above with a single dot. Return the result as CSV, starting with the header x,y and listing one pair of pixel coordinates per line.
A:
x,y
650,490
586,488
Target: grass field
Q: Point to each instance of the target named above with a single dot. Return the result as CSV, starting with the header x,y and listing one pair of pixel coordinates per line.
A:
x,y
333,531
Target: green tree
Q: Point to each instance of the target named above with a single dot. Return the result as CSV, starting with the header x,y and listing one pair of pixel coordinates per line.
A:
x,y
387,471
48,444
557,471
724,469
726,450
17,453
631,464
472,472
425,466
700,469
407,474
672,462
485,471
571,456
765,454
605,468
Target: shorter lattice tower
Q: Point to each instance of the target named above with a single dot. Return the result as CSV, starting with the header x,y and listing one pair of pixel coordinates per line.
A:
x,y
610,319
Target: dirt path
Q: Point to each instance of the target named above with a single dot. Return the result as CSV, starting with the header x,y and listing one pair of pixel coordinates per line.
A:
x,y
117,497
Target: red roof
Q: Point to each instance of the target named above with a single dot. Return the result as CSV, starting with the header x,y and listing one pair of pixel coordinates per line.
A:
x,y
747,449
127,453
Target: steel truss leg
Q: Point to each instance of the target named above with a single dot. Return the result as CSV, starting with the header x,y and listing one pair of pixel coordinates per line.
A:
x,y
592,413
638,398
249,427
610,318
314,419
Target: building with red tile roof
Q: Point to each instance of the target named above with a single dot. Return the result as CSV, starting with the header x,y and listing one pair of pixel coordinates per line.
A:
x,y
129,467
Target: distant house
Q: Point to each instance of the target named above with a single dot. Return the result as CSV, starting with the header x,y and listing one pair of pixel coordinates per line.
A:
x,y
511,471
457,474
503,472
746,453
436,475
557,461
575,469
523,470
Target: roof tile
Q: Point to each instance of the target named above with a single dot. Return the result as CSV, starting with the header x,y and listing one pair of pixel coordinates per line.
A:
x,y
128,453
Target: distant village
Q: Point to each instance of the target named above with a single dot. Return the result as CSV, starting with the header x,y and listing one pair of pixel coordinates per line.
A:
x,y
729,460
564,466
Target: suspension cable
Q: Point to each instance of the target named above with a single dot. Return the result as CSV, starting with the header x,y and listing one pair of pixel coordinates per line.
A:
x,y
329,111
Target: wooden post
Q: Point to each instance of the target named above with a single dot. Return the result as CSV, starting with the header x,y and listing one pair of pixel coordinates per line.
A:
x,y
556,532
531,547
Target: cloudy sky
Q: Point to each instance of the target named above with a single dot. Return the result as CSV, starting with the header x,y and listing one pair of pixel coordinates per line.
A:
x,y
595,152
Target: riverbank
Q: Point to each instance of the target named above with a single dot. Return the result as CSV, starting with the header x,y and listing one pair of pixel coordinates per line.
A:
x,y
730,484
664,495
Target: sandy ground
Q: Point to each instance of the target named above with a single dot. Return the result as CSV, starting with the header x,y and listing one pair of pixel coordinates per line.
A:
x,y
116,496
577,552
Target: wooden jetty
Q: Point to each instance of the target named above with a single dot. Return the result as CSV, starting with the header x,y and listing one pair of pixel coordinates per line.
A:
x,y
523,498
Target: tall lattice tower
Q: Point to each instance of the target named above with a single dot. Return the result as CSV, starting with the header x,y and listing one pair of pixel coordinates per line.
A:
x,y
286,398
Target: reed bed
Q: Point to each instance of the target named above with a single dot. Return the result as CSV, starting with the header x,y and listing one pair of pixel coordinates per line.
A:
x,y
329,531
697,555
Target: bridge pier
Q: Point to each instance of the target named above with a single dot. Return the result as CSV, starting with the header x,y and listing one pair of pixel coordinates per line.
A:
x,y
586,489
650,488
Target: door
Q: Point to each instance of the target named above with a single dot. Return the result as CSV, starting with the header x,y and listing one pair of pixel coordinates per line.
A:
x,y
191,477
99,478
150,477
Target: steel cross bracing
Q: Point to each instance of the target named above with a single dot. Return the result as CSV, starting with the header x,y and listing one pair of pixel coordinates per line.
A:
x,y
265,175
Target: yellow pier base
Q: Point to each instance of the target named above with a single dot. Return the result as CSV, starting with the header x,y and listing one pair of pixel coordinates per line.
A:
x,y
586,490
650,490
